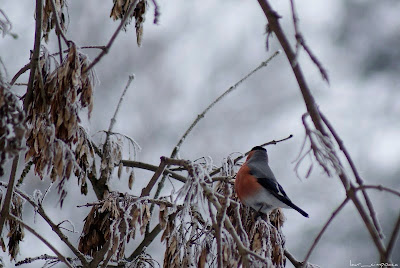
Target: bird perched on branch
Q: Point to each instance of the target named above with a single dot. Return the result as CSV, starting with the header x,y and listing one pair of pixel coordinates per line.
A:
x,y
257,187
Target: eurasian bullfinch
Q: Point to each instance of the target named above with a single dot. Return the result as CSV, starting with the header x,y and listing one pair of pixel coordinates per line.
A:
x,y
257,187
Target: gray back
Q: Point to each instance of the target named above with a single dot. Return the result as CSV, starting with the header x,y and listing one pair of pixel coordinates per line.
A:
x,y
258,164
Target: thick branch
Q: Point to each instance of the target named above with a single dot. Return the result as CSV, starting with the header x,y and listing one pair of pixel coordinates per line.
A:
x,y
393,239
275,26
36,52
160,170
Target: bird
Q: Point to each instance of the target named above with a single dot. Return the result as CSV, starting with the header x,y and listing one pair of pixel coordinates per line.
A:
x,y
257,187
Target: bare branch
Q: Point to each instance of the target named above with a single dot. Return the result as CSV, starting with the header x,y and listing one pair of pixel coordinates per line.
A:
x,y
20,72
293,260
41,238
100,185
312,109
229,90
237,159
302,42
5,211
114,119
146,191
392,241
136,164
36,52
113,37
356,175
323,230
380,188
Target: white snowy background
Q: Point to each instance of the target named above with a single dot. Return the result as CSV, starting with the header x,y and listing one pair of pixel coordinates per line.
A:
x,y
201,48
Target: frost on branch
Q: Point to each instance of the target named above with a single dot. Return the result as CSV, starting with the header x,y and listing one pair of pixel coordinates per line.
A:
x,y
199,234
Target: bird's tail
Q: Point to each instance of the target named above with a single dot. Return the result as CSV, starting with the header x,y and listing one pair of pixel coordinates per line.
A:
x,y
302,212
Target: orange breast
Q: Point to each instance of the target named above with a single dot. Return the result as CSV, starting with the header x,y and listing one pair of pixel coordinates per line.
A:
x,y
245,184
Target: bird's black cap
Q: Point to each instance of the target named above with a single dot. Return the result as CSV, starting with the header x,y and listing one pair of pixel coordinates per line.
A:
x,y
259,148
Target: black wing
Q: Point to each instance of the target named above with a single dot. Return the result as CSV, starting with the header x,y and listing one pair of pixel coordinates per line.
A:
x,y
276,189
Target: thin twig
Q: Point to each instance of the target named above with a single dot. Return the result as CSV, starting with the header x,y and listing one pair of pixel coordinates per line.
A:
x,y
229,90
237,159
392,241
302,42
100,185
20,72
113,37
379,188
114,119
316,240
5,211
356,175
36,52
156,12
41,238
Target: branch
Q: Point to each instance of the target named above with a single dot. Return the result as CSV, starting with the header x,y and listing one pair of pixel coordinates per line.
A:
x,y
356,175
113,37
141,165
114,119
323,230
100,185
376,187
243,251
36,52
5,211
53,226
19,73
312,109
293,260
302,42
229,90
41,238
237,159
392,240
59,30
58,26
146,191
149,237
